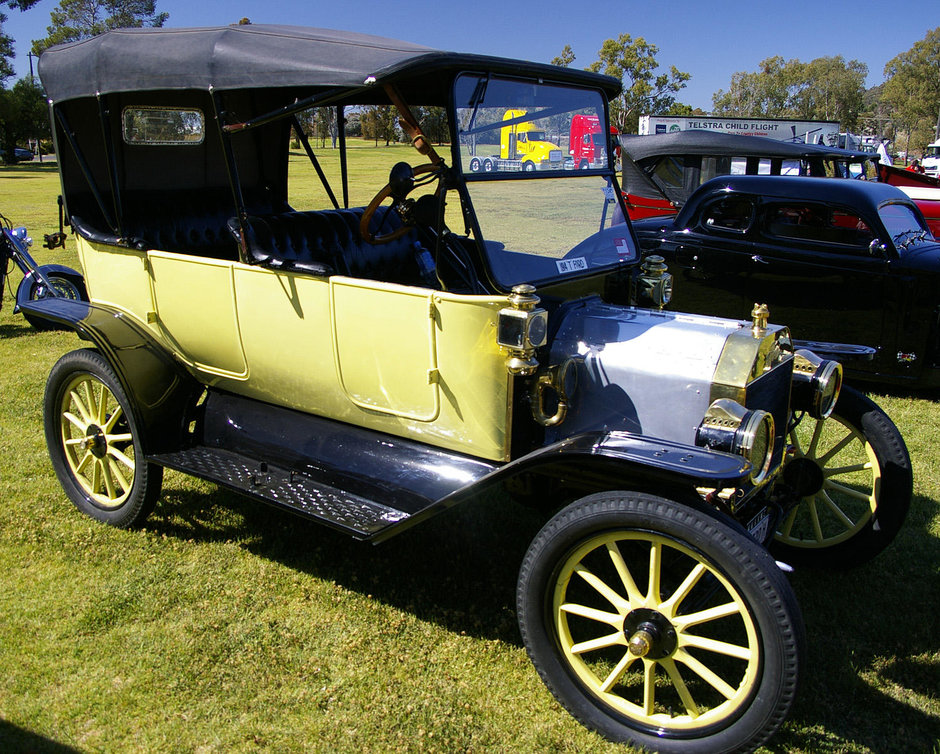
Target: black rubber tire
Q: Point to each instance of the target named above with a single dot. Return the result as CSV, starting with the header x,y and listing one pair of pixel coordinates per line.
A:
x,y
528,167
85,400
868,527
476,165
67,284
764,614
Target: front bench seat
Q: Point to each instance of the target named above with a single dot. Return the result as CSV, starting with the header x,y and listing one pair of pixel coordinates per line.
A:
x,y
328,242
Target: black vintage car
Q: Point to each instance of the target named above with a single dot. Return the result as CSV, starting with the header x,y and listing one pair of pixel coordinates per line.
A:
x,y
850,265
371,364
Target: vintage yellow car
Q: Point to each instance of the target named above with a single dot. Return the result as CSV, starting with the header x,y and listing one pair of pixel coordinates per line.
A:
x,y
372,366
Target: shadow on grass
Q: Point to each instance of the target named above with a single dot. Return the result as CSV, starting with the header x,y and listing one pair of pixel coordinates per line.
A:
x,y
16,331
457,570
869,631
14,738
872,639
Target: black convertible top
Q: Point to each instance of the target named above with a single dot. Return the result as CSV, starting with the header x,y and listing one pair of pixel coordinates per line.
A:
x,y
252,56
711,143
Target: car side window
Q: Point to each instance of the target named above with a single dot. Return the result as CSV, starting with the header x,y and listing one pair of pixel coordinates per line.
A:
x,y
730,213
841,230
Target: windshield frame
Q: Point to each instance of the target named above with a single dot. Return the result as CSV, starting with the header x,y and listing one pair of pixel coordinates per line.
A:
x,y
464,178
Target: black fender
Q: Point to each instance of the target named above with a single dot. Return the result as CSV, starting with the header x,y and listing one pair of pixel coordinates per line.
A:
x,y
161,392
615,460
23,289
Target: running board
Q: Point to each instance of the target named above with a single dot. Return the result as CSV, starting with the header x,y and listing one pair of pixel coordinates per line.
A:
x,y
350,513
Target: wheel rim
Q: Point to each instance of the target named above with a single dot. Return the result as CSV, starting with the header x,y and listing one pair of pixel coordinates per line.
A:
x,y
678,653
838,478
97,441
62,287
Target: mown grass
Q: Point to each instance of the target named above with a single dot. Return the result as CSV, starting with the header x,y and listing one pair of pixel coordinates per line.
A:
x,y
227,626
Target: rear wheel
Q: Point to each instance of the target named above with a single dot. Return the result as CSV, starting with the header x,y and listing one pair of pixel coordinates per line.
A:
x,y
852,476
656,624
94,444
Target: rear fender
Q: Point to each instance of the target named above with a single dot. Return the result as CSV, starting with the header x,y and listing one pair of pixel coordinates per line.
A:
x,y
162,393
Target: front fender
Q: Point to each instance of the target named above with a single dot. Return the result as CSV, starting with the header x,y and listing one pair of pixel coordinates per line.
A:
x,y
24,289
161,392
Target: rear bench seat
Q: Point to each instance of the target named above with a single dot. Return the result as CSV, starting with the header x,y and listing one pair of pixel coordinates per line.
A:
x,y
319,243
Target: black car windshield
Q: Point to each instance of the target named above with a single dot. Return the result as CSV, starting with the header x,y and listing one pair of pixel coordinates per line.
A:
x,y
904,226
541,218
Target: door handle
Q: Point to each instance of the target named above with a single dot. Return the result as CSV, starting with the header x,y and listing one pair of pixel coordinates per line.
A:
x,y
759,259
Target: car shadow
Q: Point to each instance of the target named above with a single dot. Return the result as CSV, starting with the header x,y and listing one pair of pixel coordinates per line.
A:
x,y
16,330
457,570
871,629
13,738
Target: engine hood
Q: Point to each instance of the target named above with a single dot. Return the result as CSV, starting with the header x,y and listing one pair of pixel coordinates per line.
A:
x,y
656,373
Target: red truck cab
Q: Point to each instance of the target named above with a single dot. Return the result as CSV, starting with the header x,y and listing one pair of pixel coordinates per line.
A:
x,y
586,144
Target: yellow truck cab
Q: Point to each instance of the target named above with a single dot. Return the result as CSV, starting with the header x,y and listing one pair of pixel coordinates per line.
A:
x,y
524,141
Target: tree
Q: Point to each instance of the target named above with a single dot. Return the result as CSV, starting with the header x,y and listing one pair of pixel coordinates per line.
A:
x,y
73,20
23,115
912,88
565,59
379,122
6,41
827,88
644,91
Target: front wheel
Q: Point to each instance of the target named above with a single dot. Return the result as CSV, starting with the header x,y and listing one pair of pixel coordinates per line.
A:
x,y
851,475
659,625
94,442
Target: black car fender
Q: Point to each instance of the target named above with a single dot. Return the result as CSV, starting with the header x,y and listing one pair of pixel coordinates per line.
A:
x,y
611,460
162,393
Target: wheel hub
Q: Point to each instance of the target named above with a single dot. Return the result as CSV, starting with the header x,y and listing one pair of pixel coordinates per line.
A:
x,y
649,634
804,476
95,441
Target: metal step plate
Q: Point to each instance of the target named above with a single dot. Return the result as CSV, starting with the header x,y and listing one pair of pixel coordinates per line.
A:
x,y
297,492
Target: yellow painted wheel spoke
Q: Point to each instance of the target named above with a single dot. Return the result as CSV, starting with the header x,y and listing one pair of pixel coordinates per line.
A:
x,y
706,674
614,620
108,426
601,642
814,517
633,591
788,524
649,687
682,591
605,591
719,647
817,434
118,476
848,491
836,449
80,467
684,622
617,673
656,557
839,513
838,471
120,457
685,695
80,424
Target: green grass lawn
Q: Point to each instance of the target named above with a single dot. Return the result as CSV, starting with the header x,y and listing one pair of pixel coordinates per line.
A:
x,y
226,625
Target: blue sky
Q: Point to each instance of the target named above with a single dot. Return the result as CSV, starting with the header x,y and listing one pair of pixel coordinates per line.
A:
x,y
710,40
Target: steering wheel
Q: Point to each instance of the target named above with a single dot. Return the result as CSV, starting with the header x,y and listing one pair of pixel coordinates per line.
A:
x,y
400,182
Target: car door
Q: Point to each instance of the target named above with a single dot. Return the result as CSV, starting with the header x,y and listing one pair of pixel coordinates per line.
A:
x,y
813,264
710,257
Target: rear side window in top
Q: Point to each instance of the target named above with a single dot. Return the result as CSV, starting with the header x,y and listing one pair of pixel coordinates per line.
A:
x,y
163,126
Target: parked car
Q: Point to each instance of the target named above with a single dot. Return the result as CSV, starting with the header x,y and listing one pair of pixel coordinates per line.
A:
x,y
843,262
661,171
372,366
20,154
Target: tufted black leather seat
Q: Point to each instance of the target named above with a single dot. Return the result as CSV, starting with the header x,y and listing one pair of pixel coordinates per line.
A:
x,y
181,222
328,242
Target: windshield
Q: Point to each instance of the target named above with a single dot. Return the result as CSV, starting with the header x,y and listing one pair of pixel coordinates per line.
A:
x,y
541,216
933,151
904,226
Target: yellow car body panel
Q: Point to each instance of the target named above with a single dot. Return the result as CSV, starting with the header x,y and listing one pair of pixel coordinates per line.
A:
x,y
413,362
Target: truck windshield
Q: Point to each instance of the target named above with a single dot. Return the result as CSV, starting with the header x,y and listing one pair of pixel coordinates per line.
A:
x,y
541,217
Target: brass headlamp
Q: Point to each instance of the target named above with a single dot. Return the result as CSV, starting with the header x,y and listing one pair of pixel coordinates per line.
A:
x,y
730,427
817,383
